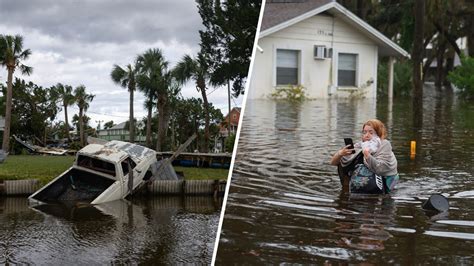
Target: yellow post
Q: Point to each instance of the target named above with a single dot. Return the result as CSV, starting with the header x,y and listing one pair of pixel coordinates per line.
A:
x,y
412,148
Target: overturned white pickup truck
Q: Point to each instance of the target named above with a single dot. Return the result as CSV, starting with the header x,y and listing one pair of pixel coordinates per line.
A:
x,y
101,173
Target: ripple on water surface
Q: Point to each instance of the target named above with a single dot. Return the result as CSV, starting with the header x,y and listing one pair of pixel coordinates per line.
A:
x,y
286,205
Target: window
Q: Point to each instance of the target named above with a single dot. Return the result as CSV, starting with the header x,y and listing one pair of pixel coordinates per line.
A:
x,y
347,70
96,164
125,165
287,67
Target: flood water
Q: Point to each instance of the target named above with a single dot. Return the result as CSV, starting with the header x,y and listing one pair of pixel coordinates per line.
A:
x,y
156,230
286,206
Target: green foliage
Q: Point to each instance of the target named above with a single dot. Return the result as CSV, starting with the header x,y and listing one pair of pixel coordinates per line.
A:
x,y
228,38
229,143
292,93
109,124
402,78
188,117
34,108
463,77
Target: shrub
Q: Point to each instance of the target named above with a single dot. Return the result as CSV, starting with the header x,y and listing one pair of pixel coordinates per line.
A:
x,y
463,78
229,143
402,78
292,93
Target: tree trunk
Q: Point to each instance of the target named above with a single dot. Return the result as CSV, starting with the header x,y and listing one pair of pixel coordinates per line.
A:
x,y
173,135
449,68
148,127
131,122
161,122
66,123
8,111
417,55
363,8
439,65
470,38
81,127
206,117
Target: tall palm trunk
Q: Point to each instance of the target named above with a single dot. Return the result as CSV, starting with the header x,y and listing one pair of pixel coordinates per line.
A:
x,y
161,122
66,125
417,55
8,110
148,126
81,127
131,119
206,118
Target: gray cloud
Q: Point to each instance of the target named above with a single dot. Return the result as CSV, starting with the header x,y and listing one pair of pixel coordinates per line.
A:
x,y
105,21
78,41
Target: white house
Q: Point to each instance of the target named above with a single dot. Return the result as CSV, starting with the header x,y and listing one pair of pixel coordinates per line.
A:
x,y
321,46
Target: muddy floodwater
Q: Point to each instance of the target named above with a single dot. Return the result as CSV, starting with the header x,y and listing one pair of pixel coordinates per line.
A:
x,y
155,230
285,203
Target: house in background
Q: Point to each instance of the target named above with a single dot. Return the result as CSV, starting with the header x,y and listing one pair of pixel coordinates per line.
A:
x,y
120,132
321,46
234,117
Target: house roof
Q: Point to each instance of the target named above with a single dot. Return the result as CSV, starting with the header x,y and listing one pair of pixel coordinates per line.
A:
x,y
277,16
237,109
118,126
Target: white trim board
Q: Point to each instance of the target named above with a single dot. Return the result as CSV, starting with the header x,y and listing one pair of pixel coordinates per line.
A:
x,y
340,10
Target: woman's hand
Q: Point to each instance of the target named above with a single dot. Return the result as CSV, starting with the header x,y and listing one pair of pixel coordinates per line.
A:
x,y
366,152
345,151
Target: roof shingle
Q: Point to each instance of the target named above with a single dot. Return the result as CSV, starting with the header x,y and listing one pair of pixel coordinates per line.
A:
x,y
278,12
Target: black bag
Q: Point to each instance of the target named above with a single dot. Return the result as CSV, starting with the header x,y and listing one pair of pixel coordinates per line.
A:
x,y
363,181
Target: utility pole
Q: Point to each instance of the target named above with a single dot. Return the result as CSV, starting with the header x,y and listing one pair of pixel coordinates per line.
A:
x,y
228,114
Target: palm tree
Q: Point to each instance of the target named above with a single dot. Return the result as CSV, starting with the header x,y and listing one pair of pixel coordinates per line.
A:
x,y
82,100
64,92
127,79
148,104
152,68
11,55
196,69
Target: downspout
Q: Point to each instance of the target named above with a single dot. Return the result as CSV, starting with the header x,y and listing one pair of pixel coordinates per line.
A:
x,y
331,87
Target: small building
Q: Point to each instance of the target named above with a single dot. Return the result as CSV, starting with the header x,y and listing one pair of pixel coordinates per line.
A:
x,y
119,132
320,45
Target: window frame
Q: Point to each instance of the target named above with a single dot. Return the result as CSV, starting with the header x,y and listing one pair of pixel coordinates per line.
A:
x,y
299,65
356,75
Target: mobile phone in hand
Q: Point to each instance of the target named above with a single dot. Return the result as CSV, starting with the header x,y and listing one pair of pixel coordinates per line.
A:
x,y
348,141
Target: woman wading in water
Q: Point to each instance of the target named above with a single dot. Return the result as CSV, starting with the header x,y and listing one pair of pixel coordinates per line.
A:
x,y
370,167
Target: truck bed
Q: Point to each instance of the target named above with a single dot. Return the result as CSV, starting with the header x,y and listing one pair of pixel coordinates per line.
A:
x,y
74,185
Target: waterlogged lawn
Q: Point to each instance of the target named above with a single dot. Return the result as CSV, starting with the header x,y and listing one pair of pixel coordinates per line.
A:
x,y
45,168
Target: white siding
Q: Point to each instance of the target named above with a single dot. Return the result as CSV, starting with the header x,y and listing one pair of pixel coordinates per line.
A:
x,y
316,75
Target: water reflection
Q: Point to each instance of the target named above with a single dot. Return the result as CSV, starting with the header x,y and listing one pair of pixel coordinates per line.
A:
x,y
285,203
164,230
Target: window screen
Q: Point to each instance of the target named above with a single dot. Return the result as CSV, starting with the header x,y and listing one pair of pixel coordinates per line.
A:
x,y
347,69
287,67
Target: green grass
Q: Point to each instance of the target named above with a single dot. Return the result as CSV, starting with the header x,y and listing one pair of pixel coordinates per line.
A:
x,y
45,168
194,173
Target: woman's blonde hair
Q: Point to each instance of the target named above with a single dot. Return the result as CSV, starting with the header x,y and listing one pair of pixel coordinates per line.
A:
x,y
378,126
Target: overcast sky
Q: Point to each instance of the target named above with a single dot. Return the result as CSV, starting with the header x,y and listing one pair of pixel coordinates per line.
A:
x,y
78,42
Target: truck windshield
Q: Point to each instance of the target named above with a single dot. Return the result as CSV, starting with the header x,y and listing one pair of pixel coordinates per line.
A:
x,y
96,165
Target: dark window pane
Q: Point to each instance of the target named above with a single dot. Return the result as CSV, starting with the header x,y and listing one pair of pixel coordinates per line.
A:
x,y
346,78
286,75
